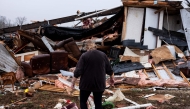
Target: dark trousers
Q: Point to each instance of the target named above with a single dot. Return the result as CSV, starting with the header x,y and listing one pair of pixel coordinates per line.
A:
x,y
84,97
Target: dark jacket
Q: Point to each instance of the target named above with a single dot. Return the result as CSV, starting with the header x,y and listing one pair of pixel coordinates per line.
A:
x,y
92,68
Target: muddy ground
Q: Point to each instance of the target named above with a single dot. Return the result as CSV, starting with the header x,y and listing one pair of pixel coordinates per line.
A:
x,y
47,99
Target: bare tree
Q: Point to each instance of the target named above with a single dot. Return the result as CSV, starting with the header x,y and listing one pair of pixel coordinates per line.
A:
x,y
8,23
20,20
2,21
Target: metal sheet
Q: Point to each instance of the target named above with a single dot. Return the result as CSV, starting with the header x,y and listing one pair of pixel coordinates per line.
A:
x,y
185,16
7,63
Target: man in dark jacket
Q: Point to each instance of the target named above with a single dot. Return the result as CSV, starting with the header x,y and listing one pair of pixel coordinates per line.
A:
x,y
92,68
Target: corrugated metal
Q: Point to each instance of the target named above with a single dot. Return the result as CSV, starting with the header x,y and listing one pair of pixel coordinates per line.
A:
x,y
7,63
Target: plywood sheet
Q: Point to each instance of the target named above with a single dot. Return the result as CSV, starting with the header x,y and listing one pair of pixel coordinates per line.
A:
x,y
185,16
151,20
134,22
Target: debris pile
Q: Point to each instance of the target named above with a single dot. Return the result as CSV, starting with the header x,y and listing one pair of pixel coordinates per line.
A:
x,y
147,43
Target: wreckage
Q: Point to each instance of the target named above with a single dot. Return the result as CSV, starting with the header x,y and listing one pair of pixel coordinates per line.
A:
x,y
147,43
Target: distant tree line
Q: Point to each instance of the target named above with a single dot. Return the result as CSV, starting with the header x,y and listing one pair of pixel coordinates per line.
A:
x,y
4,22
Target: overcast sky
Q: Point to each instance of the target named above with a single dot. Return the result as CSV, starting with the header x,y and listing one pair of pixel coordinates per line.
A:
x,y
51,9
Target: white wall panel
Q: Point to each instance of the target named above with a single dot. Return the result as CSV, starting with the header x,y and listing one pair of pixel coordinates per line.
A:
x,y
151,20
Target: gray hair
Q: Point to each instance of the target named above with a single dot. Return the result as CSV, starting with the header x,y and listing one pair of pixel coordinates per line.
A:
x,y
90,44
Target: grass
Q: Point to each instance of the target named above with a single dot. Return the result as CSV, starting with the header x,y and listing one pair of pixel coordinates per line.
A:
x,y
47,100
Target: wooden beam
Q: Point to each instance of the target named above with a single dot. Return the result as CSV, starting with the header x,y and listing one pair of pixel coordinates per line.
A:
x,y
57,21
182,75
184,78
124,23
145,73
167,71
146,3
161,9
156,71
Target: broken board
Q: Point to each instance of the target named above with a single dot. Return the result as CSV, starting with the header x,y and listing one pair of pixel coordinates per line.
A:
x,y
134,22
26,56
151,20
51,88
185,16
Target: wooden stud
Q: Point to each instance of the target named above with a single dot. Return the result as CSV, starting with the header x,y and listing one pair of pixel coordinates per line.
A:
x,y
156,71
181,73
168,72
124,23
145,73
184,78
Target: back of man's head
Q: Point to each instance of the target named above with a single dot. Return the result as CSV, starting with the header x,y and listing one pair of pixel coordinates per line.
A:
x,y
90,44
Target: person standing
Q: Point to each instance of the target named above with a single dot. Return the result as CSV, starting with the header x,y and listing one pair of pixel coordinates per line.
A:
x,y
92,68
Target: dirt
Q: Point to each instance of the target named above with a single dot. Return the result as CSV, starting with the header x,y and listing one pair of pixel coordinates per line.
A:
x,y
47,99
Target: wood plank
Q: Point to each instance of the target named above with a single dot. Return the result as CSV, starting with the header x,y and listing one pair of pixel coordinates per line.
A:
x,y
51,88
184,78
124,24
168,72
125,13
123,31
151,20
146,3
145,73
26,56
182,75
157,74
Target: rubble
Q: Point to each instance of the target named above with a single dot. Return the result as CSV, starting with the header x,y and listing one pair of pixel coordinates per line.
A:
x,y
143,51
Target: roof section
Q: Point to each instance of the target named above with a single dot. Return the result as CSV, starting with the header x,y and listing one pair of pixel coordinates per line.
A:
x,y
151,3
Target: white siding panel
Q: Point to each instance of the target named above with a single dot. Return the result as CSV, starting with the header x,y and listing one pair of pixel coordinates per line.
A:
x,y
134,22
185,16
151,20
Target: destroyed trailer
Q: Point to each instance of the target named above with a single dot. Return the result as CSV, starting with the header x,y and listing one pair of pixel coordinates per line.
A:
x,y
147,43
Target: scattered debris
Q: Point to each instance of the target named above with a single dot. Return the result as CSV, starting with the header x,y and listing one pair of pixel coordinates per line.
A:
x,y
144,49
